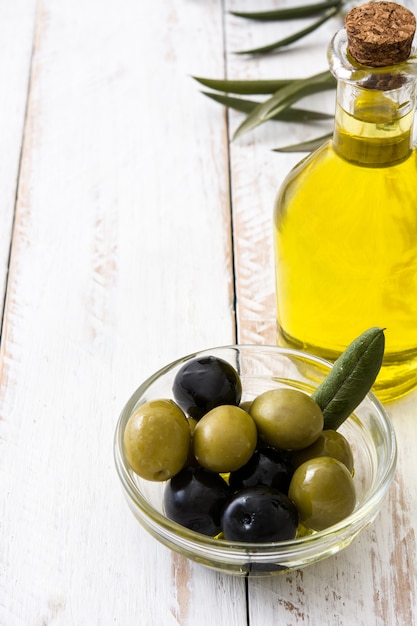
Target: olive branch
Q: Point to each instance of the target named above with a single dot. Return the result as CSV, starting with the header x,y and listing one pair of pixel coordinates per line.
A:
x,y
283,93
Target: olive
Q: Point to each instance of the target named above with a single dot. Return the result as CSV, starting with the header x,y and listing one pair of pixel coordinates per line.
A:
x,y
205,382
323,491
192,423
259,514
195,498
157,440
268,467
224,439
287,418
246,405
329,443
191,460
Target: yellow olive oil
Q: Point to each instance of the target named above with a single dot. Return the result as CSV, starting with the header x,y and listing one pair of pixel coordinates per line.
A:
x,y
345,229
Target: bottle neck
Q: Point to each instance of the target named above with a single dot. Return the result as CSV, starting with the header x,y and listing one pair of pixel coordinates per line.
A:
x,y
373,128
374,108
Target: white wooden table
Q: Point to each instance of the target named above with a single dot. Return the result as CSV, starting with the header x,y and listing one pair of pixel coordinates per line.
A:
x,y
133,232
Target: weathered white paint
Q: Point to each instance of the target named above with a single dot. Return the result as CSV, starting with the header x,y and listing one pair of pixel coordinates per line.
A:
x,y
121,261
256,170
17,21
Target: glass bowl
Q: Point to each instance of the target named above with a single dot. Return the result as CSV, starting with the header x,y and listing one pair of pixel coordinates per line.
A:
x,y
369,432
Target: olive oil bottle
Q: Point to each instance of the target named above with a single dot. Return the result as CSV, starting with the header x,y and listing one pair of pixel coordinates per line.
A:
x,y
345,224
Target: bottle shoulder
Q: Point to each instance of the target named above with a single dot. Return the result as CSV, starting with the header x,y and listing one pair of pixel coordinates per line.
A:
x,y
309,166
325,186
313,160
324,173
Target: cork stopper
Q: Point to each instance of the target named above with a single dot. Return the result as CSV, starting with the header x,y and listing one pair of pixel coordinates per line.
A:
x,y
380,33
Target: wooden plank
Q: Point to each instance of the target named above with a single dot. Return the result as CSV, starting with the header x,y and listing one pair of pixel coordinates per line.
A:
x,y
121,262
257,171
373,582
17,21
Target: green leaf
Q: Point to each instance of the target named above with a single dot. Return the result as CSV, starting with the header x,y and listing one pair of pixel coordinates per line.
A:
x,y
245,87
246,106
284,98
294,37
351,377
305,146
290,13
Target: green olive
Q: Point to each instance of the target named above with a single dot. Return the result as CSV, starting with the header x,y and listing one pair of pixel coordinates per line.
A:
x,y
224,439
157,440
192,423
246,405
323,491
287,418
329,443
191,460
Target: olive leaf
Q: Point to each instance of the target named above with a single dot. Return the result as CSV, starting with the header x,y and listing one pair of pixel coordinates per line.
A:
x,y
305,146
284,98
291,114
351,377
294,37
296,12
245,87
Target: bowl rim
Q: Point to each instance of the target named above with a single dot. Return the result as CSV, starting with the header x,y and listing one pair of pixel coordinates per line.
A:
x,y
175,532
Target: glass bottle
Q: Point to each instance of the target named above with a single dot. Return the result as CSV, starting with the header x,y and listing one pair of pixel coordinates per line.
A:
x,y
345,225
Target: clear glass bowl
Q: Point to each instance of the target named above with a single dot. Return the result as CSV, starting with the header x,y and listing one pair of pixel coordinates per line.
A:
x,y
369,432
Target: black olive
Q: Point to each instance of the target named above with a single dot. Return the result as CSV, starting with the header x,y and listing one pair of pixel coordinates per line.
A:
x,y
204,383
268,467
195,498
259,514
